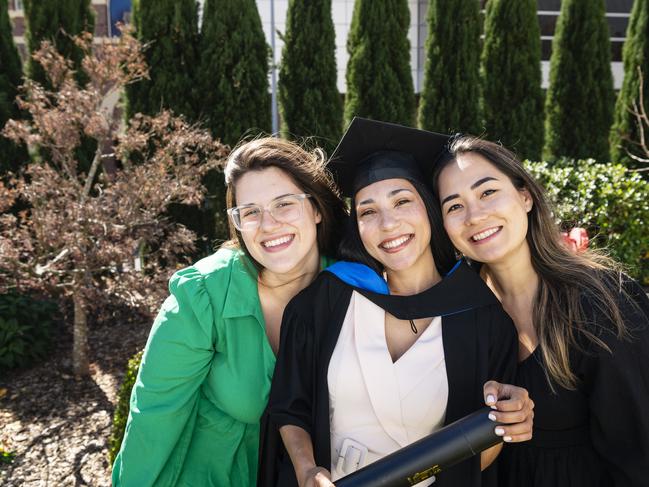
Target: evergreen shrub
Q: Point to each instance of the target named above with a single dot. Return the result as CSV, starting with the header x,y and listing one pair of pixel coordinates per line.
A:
x,y
608,200
123,406
450,97
57,21
636,57
232,74
12,156
379,79
580,98
309,100
512,100
169,29
26,325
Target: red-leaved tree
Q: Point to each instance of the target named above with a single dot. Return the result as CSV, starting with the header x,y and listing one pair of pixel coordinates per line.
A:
x,y
102,234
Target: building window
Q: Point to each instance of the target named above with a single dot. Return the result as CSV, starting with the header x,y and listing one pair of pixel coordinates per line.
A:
x,y
623,6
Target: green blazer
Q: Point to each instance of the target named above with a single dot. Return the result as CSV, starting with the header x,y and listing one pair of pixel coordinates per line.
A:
x,y
203,382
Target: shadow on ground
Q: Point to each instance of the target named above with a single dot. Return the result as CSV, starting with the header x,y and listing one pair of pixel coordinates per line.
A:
x,y
58,426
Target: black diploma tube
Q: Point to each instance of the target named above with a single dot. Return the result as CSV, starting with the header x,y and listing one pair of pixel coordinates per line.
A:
x,y
430,455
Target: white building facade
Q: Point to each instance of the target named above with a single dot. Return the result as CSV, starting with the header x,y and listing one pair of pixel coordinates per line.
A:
x,y
618,12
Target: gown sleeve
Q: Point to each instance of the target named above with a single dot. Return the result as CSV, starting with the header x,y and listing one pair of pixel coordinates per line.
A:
x,y
502,360
164,400
619,395
503,347
291,394
291,398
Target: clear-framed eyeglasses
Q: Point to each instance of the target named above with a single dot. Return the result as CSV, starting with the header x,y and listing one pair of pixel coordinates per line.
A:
x,y
285,209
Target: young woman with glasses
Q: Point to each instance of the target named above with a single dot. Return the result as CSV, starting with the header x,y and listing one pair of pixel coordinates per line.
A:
x,y
205,374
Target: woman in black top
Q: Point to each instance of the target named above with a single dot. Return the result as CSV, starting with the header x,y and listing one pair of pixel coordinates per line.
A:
x,y
583,326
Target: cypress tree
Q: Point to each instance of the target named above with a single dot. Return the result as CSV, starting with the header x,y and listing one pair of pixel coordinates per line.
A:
x,y
635,55
233,74
12,156
309,100
580,98
56,21
379,79
170,29
512,103
450,98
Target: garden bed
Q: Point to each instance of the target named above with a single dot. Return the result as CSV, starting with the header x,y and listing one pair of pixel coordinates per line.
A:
x,y
56,427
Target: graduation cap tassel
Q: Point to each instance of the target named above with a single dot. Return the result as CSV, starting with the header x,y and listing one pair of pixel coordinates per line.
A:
x,y
413,327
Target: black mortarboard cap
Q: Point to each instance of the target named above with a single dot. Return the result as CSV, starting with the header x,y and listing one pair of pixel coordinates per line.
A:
x,y
371,151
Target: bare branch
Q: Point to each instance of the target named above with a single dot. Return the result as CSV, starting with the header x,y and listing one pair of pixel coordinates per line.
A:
x,y
96,161
641,120
82,233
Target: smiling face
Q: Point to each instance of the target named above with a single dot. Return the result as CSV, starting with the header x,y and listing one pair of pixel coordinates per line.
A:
x,y
393,224
484,214
279,247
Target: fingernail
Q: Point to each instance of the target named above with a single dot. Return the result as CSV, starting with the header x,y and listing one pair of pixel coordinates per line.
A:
x,y
507,438
499,431
492,416
491,399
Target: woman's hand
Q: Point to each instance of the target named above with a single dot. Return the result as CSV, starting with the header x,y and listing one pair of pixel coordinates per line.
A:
x,y
300,448
317,477
513,407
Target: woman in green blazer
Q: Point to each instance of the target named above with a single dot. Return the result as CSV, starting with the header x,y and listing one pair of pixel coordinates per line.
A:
x,y
205,374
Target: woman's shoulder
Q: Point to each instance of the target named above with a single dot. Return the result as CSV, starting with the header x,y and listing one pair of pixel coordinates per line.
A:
x,y
624,291
629,299
325,290
212,275
324,283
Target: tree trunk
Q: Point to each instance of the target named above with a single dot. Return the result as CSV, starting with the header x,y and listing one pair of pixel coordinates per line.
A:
x,y
80,337
92,172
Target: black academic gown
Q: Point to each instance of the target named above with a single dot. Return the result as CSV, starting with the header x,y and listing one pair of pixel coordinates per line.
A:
x,y
480,343
597,434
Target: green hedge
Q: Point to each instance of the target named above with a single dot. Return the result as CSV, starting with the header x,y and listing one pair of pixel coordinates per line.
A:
x,y
121,411
25,329
609,200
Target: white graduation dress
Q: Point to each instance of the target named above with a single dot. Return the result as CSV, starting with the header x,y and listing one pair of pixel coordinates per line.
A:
x,y
378,406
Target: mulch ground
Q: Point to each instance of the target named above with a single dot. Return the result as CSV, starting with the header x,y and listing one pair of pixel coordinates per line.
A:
x,y
57,426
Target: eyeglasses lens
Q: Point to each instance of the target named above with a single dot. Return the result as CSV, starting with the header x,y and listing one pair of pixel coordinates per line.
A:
x,y
283,210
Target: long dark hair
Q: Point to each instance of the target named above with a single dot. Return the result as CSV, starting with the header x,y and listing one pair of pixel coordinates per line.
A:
x,y
306,169
565,277
351,246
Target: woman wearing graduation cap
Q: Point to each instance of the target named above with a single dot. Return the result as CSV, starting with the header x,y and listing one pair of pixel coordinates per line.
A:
x,y
368,365
583,326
